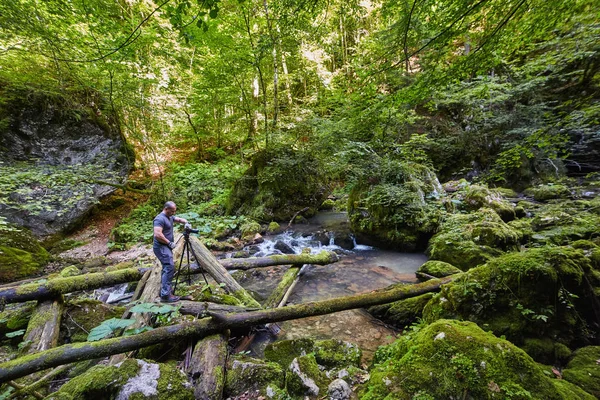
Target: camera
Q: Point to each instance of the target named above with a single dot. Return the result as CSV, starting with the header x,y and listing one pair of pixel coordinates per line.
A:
x,y
187,229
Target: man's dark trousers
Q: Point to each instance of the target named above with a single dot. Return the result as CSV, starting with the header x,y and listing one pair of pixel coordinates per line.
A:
x,y
165,256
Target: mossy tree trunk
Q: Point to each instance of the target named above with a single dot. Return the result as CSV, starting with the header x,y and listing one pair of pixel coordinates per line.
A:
x,y
208,262
323,258
207,368
201,309
201,328
44,326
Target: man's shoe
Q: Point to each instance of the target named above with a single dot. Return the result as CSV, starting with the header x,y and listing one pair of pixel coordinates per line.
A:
x,y
169,299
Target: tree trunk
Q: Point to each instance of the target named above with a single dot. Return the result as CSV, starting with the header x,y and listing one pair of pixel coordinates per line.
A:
x,y
208,262
201,328
207,368
44,326
55,287
201,309
289,278
323,258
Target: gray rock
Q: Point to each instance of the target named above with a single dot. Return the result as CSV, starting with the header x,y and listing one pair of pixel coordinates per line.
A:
x,y
284,247
339,390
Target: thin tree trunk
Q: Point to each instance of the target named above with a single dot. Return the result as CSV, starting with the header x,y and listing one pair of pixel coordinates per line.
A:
x,y
323,258
201,328
44,326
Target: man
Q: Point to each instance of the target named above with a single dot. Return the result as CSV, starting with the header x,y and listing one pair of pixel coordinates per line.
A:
x,y
163,248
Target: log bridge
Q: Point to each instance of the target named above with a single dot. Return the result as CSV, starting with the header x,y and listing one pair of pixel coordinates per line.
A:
x,y
210,328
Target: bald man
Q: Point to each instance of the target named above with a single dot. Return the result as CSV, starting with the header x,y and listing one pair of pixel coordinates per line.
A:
x,y
163,248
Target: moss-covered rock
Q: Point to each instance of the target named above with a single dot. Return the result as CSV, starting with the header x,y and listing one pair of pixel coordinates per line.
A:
x,y
584,370
21,255
71,270
546,351
304,378
548,192
564,222
284,351
132,379
476,197
328,204
401,313
469,240
273,227
538,293
398,205
81,316
16,317
249,229
244,374
334,353
280,181
438,269
453,359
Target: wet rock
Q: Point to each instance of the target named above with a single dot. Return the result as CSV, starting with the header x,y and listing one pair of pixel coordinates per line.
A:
x,y
283,247
339,390
345,241
253,250
304,377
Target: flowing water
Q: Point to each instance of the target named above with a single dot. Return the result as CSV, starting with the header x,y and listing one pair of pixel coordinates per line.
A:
x,y
361,269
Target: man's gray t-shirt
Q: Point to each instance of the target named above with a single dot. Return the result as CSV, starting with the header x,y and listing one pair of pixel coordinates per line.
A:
x,y
167,227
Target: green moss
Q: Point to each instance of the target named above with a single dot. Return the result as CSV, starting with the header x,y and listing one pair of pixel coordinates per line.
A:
x,y
439,269
334,353
120,266
546,351
305,378
283,352
327,205
70,271
477,197
466,241
173,384
251,374
564,222
398,205
532,294
81,316
548,192
584,371
21,255
273,227
249,229
16,317
453,359
402,313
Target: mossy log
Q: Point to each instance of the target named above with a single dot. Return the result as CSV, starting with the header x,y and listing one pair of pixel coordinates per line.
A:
x,y
322,258
201,328
207,367
58,286
208,262
202,308
44,326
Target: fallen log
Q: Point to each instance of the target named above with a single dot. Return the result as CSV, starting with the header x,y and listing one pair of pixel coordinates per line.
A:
x,y
44,326
207,367
202,308
201,328
26,290
210,264
322,258
59,286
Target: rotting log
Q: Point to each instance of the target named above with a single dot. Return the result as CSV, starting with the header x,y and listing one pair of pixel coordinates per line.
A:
x,y
322,258
58,286
207,368
202,308
203,327
210,264
27,290
44,326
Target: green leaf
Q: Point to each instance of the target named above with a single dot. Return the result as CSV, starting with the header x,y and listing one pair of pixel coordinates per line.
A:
x,y
135,331
20,332
213,13
107,328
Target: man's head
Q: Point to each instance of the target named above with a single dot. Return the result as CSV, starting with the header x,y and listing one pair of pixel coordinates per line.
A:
x,y
170,208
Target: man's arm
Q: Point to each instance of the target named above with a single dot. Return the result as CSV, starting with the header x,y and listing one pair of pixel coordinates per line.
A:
x,y
180,220
158,234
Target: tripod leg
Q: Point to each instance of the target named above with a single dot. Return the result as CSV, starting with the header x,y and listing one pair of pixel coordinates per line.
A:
x,y
185,247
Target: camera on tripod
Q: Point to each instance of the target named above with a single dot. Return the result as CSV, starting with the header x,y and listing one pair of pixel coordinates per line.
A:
x,y
187,229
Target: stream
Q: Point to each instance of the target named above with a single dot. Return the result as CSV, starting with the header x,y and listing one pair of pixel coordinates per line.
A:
x,y
360,269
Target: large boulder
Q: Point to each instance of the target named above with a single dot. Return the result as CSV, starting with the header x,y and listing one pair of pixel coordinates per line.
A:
x,y
131,379
584,369
21,255
458,360
397,206
469,240
543,292
51,155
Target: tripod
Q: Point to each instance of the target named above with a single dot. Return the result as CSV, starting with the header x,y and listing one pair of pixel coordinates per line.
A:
x,y
187,248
